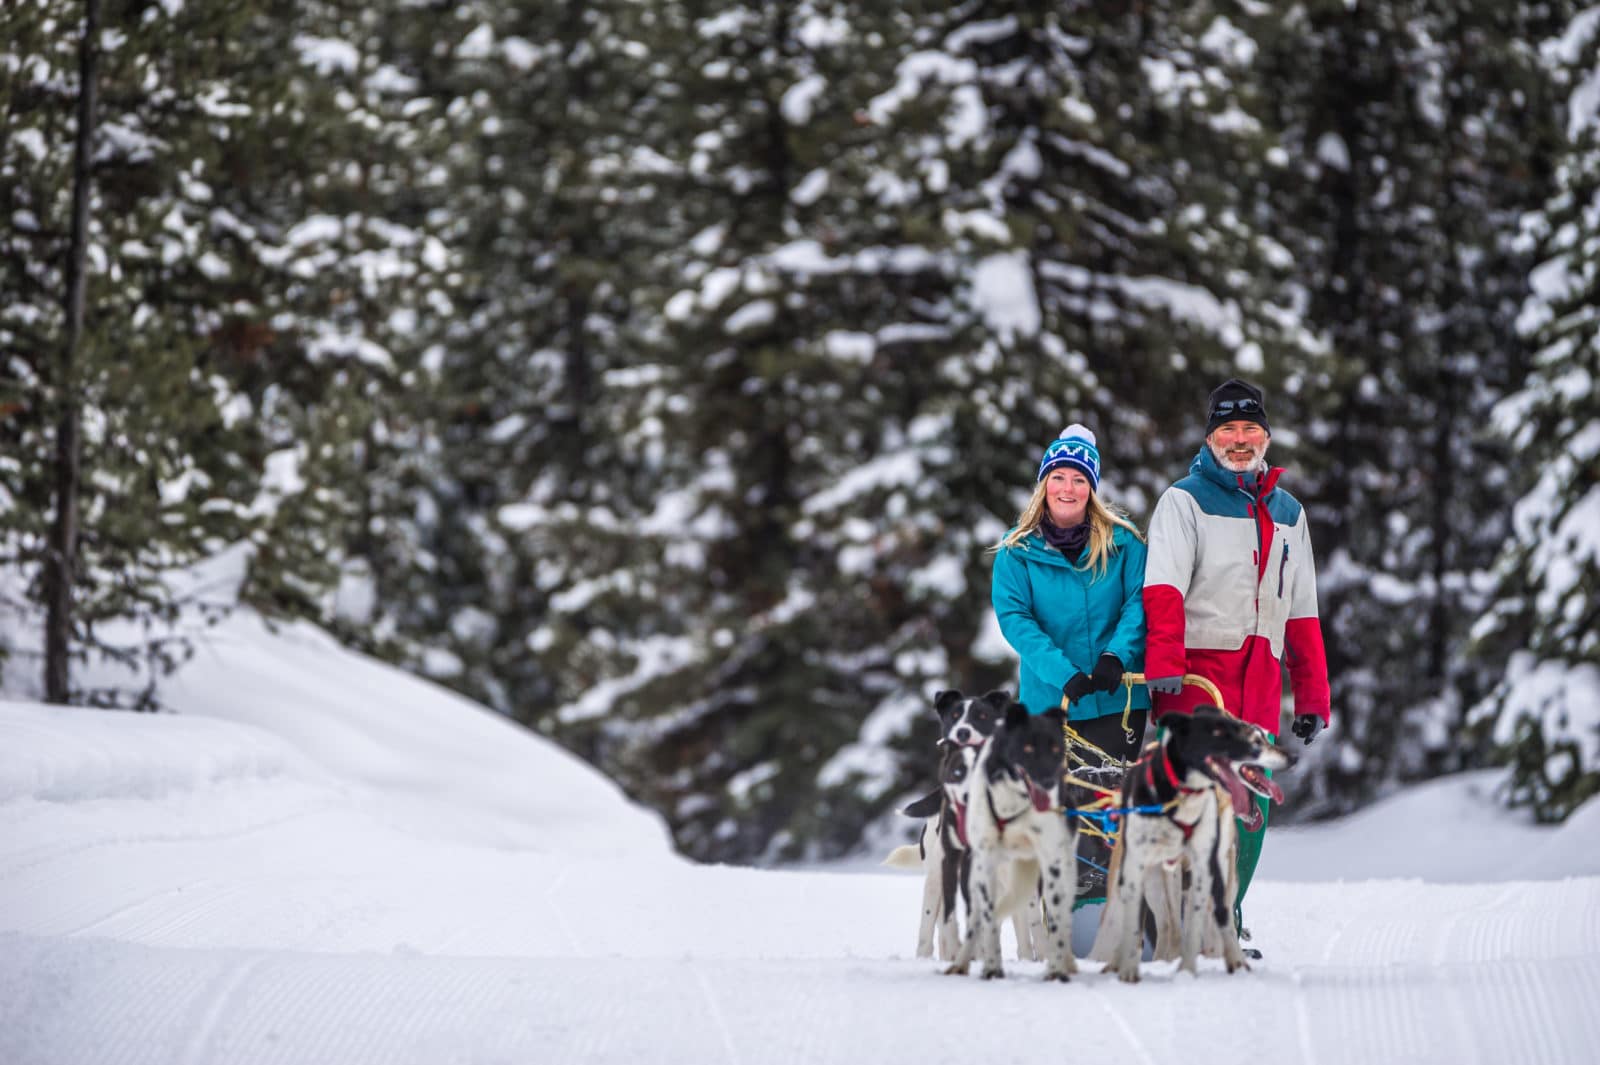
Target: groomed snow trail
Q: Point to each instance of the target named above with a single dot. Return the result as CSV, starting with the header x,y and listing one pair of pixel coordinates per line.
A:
x,y
279,887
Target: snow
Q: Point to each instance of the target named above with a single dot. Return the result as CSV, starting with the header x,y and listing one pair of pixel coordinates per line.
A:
x,y
1568,48
1562,698
753,315
319,858
1003,290
327,56
801,97
1333,152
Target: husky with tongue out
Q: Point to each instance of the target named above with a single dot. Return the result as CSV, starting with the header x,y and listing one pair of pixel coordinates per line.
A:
x,y
1175,851
1018,833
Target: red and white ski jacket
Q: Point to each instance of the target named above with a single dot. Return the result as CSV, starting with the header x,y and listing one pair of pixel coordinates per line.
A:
x,y
1230,592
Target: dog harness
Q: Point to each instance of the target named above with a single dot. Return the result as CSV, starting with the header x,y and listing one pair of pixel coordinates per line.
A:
x,y
1178,787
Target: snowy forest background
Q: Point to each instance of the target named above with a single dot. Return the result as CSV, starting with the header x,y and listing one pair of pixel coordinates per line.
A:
x,y
659,372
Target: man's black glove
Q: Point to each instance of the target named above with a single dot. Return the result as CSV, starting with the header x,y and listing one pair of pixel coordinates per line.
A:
x,y
1107,673
1164,685
1077,687
1306,726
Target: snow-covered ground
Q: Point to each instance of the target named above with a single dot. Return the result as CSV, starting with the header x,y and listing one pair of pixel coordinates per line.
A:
x,y
323,861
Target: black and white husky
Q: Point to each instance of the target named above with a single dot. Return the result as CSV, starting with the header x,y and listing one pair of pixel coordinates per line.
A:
x,y
965,722
1018,834
1181,861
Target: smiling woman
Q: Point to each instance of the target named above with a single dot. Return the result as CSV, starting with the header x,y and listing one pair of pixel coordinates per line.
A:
x,y
1066,592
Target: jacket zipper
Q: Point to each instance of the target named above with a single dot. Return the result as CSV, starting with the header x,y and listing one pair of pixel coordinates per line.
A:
x,y
1281,564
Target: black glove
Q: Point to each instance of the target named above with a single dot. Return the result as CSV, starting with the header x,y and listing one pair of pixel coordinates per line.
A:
x,y
1107,673
1306,726
1077,687
1164,685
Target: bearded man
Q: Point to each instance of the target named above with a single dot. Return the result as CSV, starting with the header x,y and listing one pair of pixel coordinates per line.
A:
x,y
1230,589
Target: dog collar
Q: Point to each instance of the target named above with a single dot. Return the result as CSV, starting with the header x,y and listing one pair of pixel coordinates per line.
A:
x,y
1171,775
1000,823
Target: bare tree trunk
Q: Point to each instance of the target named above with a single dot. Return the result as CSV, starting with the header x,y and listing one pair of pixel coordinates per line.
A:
x,y
60,573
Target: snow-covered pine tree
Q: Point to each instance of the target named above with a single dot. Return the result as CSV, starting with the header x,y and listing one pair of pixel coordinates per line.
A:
x,y
340,207
1541,633
1418,134
555,205
862,370
223,299
1127,164
775,574
160,448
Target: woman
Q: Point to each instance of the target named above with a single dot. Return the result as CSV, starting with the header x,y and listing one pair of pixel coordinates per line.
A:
x,y
1067,590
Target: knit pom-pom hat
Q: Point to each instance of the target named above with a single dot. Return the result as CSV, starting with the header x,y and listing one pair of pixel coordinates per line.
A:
x,y
1075,447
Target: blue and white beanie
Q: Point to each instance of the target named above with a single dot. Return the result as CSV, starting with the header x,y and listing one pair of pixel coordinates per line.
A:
x,y
1074,447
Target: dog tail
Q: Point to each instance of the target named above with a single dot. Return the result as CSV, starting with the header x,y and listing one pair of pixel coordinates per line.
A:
x,y
907,857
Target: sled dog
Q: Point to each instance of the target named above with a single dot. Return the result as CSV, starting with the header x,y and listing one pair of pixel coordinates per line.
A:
x,y
1018,833
965,722
1181,861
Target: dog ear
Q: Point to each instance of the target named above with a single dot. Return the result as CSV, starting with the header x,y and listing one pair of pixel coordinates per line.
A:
x,y
1176,723
1056,716
1016,716
945,699
926,806
999,698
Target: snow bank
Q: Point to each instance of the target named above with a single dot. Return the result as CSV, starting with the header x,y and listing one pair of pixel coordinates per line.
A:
x,y
266,699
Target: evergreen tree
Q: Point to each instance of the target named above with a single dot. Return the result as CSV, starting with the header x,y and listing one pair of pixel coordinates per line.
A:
x,y
783,580
1418,135
1541,634
216,292
156,451
892,304
553,207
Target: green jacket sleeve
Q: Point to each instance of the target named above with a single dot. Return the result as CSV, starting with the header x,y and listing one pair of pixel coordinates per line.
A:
x,y
1127,639
1013,609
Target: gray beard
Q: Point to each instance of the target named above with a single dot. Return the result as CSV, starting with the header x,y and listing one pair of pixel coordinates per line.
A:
x,y
1257,466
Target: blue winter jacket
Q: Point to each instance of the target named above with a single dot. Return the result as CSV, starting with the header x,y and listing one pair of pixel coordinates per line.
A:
x,y
1060,619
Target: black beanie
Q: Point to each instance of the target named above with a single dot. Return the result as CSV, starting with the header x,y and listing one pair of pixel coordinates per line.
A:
x,y
1236,401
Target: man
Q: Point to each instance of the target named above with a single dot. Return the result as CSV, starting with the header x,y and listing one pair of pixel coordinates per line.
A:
x,y
1230,588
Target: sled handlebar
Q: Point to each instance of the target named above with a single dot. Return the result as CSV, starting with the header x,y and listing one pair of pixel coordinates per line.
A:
x,y
1189,679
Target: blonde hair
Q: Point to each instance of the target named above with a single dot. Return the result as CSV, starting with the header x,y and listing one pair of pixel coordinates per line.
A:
x,y
1103,521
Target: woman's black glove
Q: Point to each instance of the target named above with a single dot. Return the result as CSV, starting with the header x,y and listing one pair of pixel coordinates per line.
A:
x,y
1107,673
1077,687
1306,726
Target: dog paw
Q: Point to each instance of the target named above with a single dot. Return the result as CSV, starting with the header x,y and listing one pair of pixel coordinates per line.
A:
x,y
1127,975
956,970
994,974
1058,975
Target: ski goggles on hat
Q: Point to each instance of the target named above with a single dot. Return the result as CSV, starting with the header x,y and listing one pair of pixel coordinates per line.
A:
x,y
1237,406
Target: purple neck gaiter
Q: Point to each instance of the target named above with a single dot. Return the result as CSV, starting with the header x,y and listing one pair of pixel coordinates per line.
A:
x,y
1069,542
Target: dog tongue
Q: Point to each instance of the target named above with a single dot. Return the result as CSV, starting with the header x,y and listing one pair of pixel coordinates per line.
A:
x,y
1244,806
1040,797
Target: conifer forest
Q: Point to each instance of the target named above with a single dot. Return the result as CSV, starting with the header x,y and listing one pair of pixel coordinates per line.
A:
x,y
660,372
